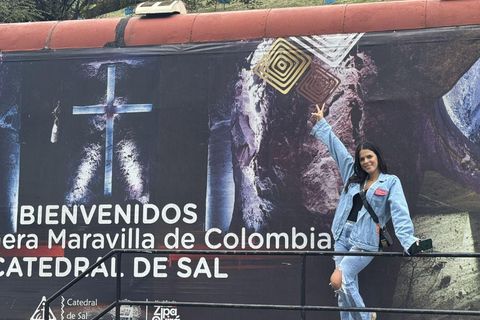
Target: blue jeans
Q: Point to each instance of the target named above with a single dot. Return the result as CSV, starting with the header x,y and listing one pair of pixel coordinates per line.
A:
x,y
350,266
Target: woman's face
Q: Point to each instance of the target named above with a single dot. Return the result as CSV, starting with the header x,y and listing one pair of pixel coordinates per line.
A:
x,y
368,161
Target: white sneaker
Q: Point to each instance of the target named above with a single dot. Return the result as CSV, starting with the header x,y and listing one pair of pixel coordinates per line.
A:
x,y
373,316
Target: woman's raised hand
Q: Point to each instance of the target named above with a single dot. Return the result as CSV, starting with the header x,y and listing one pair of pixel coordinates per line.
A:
x,y
317,116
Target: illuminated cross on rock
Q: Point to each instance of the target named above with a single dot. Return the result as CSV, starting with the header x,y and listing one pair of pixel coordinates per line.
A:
x,y
110,110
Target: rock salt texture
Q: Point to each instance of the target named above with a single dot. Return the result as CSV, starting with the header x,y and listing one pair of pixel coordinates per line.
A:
x,y
392,93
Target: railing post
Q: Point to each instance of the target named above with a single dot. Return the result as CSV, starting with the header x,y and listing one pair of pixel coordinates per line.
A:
x,y
303,295
46,314
118,267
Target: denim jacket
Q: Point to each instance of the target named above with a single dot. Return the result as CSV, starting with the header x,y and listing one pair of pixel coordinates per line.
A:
x,y
385,196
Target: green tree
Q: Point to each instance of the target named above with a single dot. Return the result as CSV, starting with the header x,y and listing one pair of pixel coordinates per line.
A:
x,y
106,6
19,11
63,9
251,3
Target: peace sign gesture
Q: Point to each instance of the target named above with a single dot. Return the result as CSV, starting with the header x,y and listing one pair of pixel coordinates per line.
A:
x,y
317,116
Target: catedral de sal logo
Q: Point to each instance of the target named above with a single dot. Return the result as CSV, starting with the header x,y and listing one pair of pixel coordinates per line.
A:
x,y
39,313
69,310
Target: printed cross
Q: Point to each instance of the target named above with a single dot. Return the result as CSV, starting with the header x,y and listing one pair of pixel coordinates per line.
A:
x,y
110,110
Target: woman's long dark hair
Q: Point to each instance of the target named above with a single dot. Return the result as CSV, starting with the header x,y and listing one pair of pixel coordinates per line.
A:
x,y
359,174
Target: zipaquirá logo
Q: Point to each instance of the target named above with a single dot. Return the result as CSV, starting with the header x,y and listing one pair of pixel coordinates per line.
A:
x,y
165,313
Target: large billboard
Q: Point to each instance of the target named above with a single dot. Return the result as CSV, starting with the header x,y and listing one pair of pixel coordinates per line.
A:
x,y
208,147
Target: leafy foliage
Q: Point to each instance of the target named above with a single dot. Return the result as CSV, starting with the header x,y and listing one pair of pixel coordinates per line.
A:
x,y
104,6
63,9
192,5
44,10
195,5
251,3
19,11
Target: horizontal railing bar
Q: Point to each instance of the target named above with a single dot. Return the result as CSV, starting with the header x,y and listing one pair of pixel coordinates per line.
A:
x,y
271,253
284,253
307,253
261,252
81,276
297,307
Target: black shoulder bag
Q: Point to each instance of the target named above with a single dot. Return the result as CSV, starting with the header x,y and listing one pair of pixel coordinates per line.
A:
x,y
386,239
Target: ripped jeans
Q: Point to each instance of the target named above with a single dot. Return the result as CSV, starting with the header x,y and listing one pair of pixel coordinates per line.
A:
x,y
350,266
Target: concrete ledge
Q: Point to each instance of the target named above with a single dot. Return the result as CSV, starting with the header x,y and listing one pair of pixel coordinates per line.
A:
x,y
77,34
305,21
452,13
168,30
385,16
241,25
24,36
236,25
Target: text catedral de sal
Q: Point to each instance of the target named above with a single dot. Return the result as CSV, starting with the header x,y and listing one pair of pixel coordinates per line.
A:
x,y
130,219
58,267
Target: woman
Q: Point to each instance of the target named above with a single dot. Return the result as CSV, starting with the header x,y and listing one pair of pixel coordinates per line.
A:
x,y
353,227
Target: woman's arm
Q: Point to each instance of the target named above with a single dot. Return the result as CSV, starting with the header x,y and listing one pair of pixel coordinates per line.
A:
x,y
402,222
323,131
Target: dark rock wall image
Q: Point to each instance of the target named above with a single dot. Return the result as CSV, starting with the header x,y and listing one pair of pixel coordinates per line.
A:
x,y
392,91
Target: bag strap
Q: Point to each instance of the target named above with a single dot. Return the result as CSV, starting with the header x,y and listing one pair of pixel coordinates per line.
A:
x,y
367,206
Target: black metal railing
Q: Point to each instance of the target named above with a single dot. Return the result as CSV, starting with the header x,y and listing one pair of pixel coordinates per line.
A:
x,y
303,308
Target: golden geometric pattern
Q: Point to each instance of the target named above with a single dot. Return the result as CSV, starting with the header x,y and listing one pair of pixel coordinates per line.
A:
x,y
318,85
282,65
